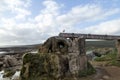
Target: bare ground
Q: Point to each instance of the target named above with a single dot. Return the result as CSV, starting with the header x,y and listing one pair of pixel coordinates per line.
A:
x,y
104,72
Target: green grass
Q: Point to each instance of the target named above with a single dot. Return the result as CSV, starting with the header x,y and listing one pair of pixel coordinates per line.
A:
x,y
114,63
90,70
111,59
108,57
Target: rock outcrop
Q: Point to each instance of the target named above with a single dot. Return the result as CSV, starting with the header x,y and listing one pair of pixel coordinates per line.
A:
x,y
58,59
10,64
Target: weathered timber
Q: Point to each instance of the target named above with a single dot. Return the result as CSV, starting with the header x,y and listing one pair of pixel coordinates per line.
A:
x,y
89,36
118,48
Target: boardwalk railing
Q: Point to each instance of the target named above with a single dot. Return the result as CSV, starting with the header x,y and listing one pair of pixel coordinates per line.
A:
x,y
89,36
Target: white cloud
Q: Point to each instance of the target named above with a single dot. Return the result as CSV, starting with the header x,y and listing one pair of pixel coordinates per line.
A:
x,y
51,7
108,27
85,13
21,13
20,28
46,20
17,8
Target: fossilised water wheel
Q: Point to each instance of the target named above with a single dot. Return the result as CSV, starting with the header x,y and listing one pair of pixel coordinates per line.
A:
x,y
58,59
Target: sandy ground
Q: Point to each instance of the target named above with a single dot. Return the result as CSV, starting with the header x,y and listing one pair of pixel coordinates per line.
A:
x,y
114,72
104,72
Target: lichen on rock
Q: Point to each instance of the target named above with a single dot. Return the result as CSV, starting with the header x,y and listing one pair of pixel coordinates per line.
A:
x,y
58,59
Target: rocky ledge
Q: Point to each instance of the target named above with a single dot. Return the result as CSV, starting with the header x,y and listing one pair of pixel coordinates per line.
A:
x,y
9,64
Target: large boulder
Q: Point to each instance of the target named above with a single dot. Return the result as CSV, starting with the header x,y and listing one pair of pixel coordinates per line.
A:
x,y
58,59
10,61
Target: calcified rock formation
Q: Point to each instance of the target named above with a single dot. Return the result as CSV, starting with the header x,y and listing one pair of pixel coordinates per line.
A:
x,y
58,59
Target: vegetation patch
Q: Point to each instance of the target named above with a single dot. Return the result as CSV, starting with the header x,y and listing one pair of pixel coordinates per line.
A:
x,y
114,63
90,70
111,59
108,57
39,67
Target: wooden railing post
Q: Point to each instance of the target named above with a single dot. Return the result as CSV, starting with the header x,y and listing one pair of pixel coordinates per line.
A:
x,y
118,49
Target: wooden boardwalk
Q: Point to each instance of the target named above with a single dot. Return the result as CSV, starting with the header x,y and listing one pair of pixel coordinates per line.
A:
x,y
89,36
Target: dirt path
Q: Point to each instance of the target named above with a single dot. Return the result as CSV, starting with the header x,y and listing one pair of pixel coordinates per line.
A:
x,y
105,72
101,74
114,72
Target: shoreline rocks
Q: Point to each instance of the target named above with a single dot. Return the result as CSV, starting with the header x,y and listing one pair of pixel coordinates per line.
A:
x,y
10,64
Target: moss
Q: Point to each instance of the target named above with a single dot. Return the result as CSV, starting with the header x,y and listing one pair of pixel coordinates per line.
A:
x,y
9,73
90,70
39,66
39,78
46,67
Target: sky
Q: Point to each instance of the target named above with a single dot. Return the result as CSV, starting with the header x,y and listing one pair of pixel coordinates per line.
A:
x,y
24,22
